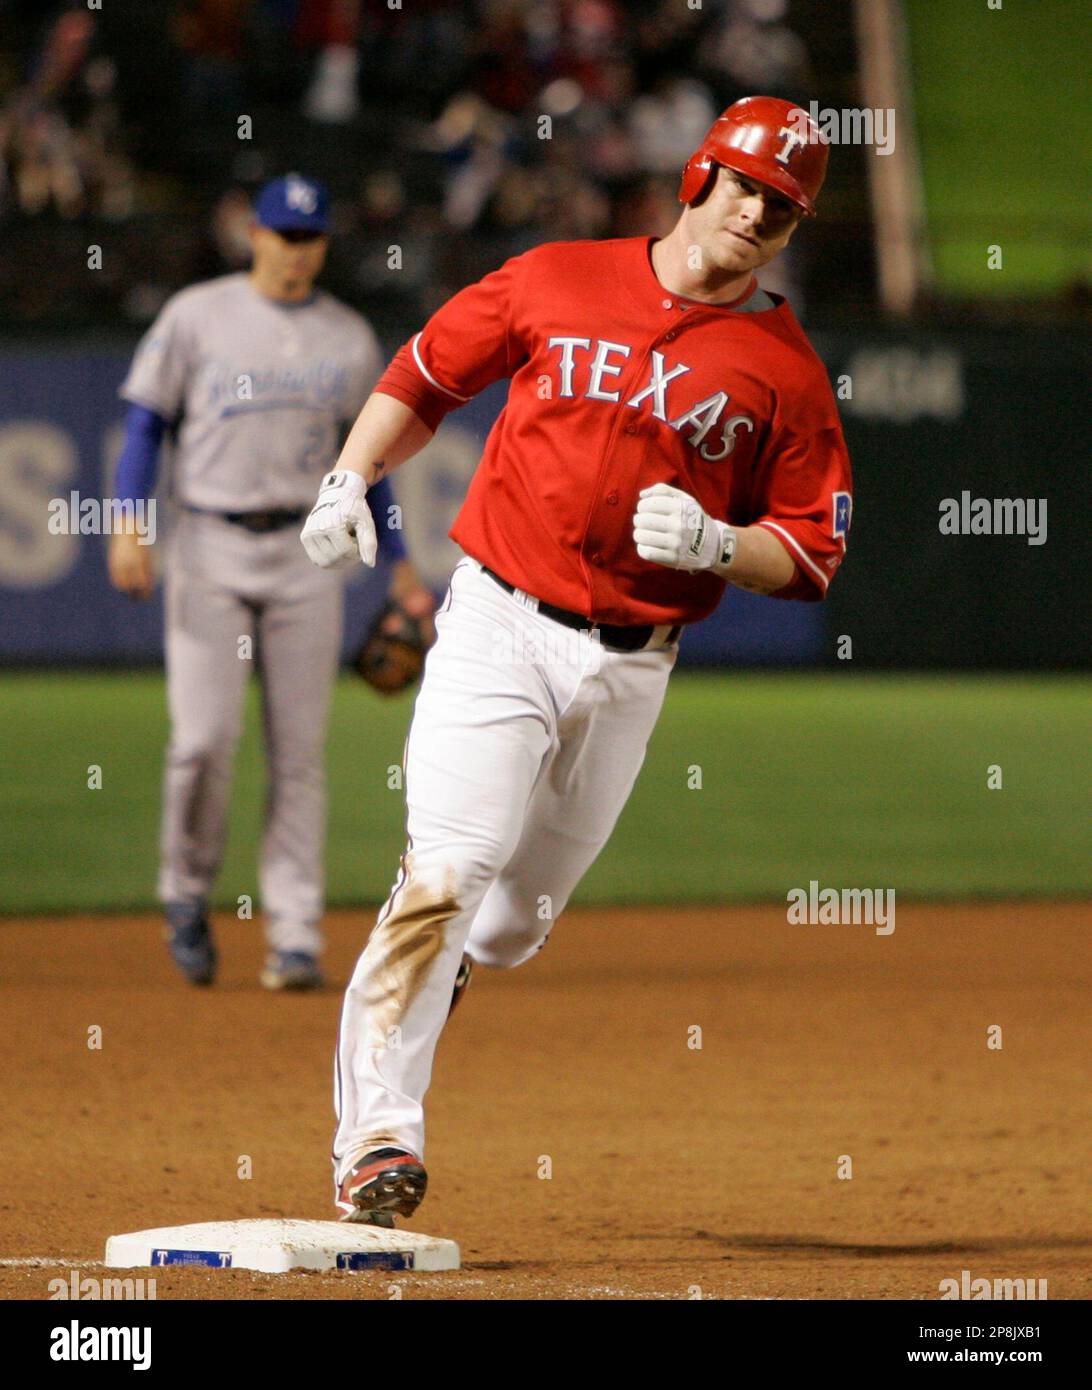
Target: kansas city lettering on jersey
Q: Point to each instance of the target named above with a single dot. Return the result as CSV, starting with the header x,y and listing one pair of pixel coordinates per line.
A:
x,y
317,383
698,421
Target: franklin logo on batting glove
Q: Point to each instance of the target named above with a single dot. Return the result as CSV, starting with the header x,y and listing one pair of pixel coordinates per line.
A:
x,y
671,528
340,527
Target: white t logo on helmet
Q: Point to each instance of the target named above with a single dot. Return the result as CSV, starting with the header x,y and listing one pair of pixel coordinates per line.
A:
x,y
792,139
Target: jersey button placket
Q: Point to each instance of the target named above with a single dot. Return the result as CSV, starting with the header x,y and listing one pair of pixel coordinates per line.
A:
x,y
611,498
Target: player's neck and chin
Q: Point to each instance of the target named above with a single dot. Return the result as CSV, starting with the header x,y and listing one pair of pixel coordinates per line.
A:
x,y
714,283
282,291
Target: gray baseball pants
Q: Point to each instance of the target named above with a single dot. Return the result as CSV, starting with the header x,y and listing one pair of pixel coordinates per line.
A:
x,y
237,602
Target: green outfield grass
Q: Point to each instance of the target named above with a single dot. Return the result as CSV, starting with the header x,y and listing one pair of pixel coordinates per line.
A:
x,y
852,780
1005,149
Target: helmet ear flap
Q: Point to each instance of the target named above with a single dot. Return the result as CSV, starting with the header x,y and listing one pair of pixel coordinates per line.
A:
x,y
706,186
698,178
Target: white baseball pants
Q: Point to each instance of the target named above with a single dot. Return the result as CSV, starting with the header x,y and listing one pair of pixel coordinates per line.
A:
x,y
526,741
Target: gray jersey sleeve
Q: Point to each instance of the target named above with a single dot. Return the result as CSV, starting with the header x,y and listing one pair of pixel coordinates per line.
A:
x,y
162,364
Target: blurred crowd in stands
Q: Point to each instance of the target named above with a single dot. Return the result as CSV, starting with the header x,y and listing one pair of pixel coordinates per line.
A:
x,y
460,131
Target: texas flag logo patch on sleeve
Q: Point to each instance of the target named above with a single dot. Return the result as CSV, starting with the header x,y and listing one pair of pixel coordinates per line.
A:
x,y
842,508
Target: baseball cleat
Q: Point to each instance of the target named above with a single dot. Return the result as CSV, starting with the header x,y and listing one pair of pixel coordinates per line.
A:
x,y
462,979
385,1183
190,942
291,970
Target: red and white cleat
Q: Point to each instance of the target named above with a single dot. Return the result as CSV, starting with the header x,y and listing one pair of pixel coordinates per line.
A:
x,y
383,1184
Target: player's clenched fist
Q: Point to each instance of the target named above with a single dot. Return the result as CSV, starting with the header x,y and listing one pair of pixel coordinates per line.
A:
x,y
340,526
671,528
129,562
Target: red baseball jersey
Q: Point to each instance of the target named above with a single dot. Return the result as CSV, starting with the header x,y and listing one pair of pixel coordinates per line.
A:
x,y
616,384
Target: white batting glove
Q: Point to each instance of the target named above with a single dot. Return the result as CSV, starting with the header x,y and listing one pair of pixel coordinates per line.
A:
x,y
671,528
340,527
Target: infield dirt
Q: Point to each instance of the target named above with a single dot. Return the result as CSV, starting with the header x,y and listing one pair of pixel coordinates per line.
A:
x,y
675,1169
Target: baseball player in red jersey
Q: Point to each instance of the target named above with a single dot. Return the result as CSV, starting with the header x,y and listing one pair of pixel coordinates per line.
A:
x,y
668,430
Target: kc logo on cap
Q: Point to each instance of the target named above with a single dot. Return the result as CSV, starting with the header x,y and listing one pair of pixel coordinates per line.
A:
x,y
293,203
300,194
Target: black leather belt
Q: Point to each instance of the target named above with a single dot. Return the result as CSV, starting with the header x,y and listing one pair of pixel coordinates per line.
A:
x,y
275,520
621,639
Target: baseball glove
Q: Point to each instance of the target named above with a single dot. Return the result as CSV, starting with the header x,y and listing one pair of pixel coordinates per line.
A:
x,y
393,653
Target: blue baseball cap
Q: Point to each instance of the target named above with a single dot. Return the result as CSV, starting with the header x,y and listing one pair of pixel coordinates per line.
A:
x,y
293,203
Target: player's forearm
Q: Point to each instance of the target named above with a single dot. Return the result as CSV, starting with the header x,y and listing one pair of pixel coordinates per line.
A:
x,y
386,434
138,461
760,562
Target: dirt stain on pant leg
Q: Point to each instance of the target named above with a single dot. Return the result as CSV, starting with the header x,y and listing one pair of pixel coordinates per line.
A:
x,y
406,942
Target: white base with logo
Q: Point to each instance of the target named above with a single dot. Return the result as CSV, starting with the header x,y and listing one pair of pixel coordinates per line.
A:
x,y
274,1247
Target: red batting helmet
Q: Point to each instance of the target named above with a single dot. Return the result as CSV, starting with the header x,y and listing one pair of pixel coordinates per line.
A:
x,y
772,141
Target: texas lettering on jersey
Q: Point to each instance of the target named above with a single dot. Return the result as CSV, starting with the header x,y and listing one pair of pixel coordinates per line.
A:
x,y
616,385
700,417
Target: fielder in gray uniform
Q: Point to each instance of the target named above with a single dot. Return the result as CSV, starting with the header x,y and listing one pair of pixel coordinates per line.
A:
x,y
258,374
